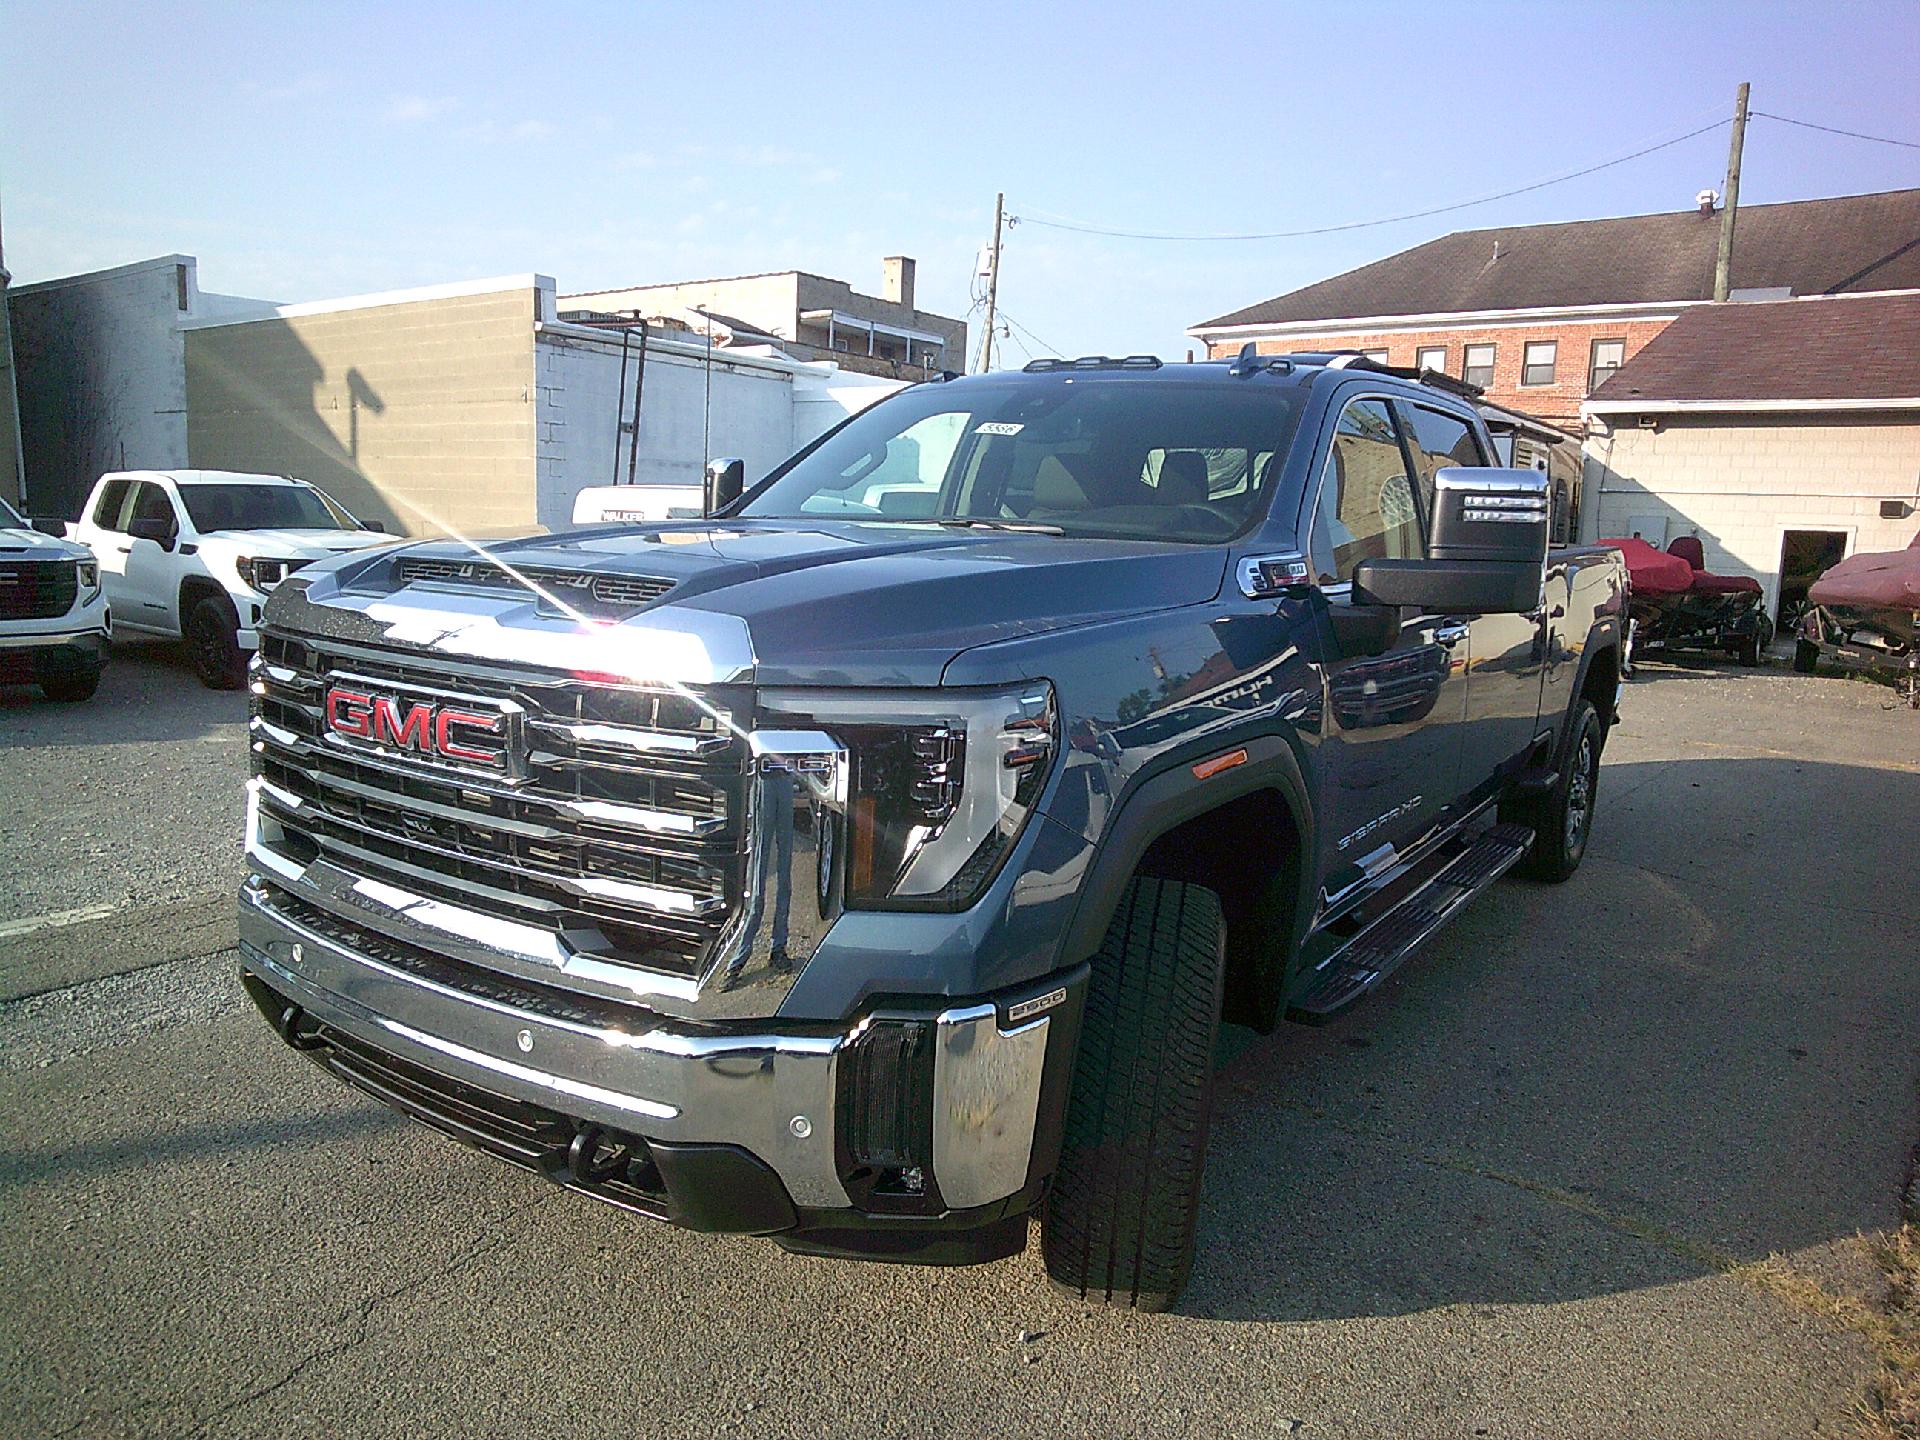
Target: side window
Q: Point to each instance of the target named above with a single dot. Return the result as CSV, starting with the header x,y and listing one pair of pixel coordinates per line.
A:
x,y
1365,509
113,499
150,502
1439,441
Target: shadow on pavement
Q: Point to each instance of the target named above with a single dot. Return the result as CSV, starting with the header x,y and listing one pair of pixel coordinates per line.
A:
x,y
149,693
1700,1047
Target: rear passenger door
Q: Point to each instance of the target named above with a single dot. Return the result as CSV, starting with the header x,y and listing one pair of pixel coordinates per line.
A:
x,y
1505,654
1391,748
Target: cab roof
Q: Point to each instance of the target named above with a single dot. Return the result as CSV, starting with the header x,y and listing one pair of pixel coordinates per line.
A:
x,y
203,477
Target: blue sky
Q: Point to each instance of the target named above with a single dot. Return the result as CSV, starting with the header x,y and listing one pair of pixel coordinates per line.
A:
x,y
309,151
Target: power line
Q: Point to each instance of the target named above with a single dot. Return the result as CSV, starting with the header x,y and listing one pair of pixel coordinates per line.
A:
x,y
1085,229
1050,349
1832,130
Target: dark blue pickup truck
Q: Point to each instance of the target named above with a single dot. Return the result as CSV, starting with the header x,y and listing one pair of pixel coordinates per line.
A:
x,y
871,864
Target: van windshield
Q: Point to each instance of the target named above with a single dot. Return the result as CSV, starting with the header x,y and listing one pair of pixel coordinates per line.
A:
x,y
262,507
1082,455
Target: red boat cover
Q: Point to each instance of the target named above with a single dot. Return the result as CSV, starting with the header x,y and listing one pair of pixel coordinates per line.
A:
x,y
1689,549
1653,572
1886,580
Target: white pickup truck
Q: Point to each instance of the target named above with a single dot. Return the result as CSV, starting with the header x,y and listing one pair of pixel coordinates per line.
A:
x,y
54,627
193,553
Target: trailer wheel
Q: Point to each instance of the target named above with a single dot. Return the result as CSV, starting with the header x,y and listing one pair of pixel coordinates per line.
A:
x,y
1119,1223
1806,657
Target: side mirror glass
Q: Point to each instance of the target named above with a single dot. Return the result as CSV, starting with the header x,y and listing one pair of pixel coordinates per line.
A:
x,y
726,479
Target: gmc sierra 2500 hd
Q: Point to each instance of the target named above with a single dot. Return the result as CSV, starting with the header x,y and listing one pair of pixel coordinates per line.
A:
x,y
871,864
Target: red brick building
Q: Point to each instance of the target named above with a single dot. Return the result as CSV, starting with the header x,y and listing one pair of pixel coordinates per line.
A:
x,y
1541,315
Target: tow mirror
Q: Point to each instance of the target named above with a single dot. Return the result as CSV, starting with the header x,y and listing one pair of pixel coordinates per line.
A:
x,y
725,480
1488,553
50,525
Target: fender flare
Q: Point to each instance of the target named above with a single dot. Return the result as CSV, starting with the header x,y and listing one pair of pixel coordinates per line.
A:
x,y
1169,798
1609,643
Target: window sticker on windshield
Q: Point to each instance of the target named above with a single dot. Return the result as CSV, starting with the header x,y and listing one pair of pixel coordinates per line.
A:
x,y
1000,427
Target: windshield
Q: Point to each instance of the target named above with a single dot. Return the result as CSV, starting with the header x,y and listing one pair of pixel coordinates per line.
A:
x,y
1083,455
262,507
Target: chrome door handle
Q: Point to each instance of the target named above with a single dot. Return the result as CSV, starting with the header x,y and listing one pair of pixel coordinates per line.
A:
x,y
1450,635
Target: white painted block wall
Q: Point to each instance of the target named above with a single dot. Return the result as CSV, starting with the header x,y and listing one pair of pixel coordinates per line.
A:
x,y
1741,482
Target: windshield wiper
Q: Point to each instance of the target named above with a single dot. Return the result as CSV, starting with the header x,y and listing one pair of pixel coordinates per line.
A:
x,y
1018,527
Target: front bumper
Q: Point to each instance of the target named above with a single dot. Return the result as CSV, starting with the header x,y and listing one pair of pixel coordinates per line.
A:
x,y
31,654
745,1129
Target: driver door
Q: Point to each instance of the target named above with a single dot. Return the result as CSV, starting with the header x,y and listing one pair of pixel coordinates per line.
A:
x,y
149,580
1390,753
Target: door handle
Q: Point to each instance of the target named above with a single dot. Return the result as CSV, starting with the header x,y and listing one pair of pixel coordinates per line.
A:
x,y
1450,634
124,549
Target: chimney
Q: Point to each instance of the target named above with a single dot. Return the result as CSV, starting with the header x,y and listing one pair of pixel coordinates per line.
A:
x,y
897,285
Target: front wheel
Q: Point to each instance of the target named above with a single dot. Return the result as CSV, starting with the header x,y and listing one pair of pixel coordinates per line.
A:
x,y
1119,1221
70,687
213,639
1562,819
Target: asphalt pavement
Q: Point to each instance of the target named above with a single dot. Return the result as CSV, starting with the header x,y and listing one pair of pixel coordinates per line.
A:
x,y
1517,1194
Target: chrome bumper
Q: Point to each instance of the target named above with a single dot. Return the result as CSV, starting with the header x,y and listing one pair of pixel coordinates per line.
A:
x,y
773,1094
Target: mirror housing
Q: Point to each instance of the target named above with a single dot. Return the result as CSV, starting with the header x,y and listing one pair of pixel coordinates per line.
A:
x,y
374,525
158,531
726,479
1451,587
50,525
1487,513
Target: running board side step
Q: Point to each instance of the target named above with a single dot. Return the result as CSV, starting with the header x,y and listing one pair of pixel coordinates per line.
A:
x,y
1380,949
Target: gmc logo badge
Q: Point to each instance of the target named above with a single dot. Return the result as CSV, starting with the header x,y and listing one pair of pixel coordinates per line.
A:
x,y
419,727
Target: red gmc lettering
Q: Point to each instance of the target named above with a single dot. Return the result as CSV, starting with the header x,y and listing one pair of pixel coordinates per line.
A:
x,y
347,713
416,730
453,749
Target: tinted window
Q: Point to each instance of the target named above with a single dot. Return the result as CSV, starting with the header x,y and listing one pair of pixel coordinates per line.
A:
x,y
113,499
1134,455
261,507
150,502
1365,510
1438,441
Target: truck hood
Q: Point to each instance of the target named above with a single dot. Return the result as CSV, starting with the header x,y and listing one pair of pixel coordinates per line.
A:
x,y
18,544
820,603
294,544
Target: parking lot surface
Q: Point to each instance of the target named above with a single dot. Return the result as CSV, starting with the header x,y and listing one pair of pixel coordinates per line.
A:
x,y
1519,1193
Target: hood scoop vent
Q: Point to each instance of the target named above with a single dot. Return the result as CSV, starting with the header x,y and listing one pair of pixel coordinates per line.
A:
x,y
579,588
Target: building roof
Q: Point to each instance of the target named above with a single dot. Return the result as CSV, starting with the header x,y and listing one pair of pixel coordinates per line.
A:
x,y
1814,247
1859,348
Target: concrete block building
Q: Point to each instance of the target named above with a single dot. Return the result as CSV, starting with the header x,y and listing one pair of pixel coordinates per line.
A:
x,y
1785,434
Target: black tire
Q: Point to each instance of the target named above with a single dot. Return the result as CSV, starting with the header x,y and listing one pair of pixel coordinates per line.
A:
x,y
1806,657
1562,819
1119,1220
70,687
213,639
1753,649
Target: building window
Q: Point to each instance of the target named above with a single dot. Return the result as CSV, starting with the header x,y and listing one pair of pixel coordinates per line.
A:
x,y
1431,357
1379,357
1608,356
1536,366
1478,369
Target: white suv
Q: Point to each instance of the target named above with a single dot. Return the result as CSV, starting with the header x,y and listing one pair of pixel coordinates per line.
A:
x,y
54,626
193,553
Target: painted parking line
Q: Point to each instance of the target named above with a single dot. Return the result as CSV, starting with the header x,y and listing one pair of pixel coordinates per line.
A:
x,y
54,920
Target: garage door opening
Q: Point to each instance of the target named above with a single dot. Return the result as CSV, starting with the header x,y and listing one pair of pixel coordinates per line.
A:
x,y
1805,555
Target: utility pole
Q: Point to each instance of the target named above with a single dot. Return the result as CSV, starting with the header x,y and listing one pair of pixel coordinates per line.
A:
x,y
993,283
1723,264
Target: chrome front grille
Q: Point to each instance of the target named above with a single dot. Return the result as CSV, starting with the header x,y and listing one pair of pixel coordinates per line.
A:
x,y
574,587
619,826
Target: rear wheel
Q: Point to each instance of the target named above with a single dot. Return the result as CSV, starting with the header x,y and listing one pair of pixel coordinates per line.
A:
x,y
213,639
1562,818
1119,1222
1806,656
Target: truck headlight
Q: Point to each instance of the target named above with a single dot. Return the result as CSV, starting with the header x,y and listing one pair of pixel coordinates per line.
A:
x,y
939,785
265,572
87,574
